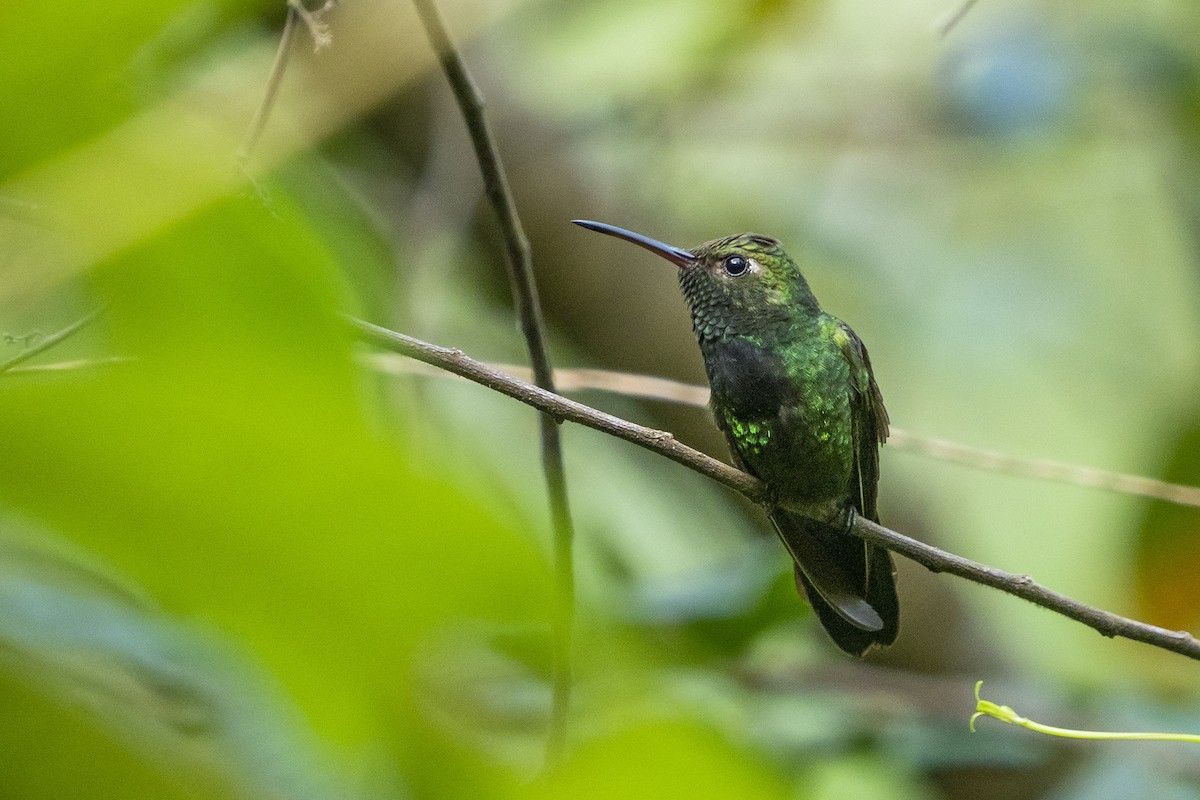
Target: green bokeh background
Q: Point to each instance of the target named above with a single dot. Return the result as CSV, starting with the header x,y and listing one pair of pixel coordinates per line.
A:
x,y
239,558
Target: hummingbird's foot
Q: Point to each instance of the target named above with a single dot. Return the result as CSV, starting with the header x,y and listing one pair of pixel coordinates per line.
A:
x,y
851,515
770,500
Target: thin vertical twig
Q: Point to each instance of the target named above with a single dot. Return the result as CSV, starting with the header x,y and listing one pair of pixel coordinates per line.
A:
x,y
525,297
296,12
273,83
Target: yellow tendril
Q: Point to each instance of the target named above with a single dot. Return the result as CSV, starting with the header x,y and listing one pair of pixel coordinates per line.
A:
x,y
986,708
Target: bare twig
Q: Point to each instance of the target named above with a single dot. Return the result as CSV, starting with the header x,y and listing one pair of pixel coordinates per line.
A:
x,y
273,83
525,298
50,341
936,560
315,22
321,38
1023,586
560,407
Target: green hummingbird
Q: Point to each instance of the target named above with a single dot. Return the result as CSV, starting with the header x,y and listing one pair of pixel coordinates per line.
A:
x,y
794,393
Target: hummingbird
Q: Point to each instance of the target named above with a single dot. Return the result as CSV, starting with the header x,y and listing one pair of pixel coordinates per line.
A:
x,y
793,391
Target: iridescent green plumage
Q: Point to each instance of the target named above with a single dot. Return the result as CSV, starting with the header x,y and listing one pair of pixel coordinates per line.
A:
x,y
793,390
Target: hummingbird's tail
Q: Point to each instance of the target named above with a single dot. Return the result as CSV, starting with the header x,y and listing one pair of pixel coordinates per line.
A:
x,y
850,583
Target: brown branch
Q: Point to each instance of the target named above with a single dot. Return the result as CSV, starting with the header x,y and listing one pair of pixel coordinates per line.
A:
x,y
560,407
932,558
519,264
1024,587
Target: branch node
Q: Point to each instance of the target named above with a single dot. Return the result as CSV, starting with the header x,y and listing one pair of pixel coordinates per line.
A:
x,y
318,29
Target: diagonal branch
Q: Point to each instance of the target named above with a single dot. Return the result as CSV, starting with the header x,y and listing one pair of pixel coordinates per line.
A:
x,y
525,297
1023,586
560,407
932,558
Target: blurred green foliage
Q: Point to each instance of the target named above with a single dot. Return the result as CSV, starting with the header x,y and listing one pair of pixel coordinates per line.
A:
x,y
240,561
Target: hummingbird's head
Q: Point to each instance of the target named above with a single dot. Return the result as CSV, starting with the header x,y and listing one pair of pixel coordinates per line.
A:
x,y
736,284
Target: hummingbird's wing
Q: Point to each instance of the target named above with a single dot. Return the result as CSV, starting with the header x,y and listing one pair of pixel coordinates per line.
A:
x,y
869,419
870,425
848,581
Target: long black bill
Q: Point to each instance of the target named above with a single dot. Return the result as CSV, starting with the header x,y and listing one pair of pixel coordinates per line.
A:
x,y
677,256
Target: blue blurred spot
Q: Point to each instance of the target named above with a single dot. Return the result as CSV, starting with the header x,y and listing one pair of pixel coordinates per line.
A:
x,y
1011,81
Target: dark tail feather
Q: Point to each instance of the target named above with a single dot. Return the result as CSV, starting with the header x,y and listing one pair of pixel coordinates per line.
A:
x,y
850,584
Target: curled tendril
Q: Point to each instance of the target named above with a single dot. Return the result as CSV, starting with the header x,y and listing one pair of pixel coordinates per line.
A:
x,y
986,708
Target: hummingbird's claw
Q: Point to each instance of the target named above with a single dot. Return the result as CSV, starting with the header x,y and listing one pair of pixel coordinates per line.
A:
x,y
851,515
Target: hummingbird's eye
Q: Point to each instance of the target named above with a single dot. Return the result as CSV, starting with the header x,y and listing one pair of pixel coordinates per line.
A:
x,y
735,266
